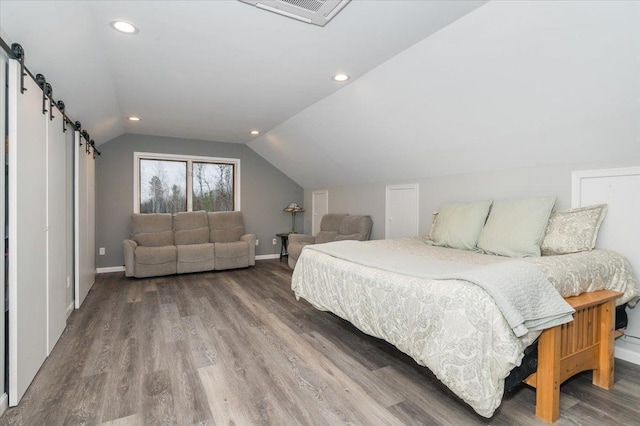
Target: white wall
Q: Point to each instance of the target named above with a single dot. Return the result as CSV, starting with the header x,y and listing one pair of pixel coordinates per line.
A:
x,y
510,85
554,180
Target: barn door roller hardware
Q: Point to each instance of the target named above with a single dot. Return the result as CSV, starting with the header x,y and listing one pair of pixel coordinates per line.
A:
x,y
18,53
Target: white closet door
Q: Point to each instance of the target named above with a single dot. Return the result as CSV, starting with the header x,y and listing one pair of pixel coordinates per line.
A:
x,y
56,230
319,207
85,221
27,234
401,211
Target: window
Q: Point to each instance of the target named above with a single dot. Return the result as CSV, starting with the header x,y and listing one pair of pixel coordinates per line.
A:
x,y
165,183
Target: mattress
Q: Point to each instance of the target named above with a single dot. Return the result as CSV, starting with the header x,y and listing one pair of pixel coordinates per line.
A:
x,y
452,327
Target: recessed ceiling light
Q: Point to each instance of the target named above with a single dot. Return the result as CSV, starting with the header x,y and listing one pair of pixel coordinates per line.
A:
x,y
341,77
124,27
134,118
255,132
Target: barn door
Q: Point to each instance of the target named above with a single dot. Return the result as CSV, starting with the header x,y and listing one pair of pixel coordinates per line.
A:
x,y
27,233
84,217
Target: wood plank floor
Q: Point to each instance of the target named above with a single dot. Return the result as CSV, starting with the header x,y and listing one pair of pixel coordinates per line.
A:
x,y
235,347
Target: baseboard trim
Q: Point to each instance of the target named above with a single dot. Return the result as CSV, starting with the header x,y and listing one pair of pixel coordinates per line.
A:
x,y
4,403
109,269
70,308
627,351
267,256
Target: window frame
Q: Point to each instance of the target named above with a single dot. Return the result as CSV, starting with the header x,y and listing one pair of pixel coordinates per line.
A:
x,y
189,159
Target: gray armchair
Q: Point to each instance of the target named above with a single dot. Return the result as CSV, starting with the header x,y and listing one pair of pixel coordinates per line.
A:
x,y
333,227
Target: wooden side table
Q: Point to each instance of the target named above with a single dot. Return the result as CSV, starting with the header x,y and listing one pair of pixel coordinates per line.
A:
x,y
284,238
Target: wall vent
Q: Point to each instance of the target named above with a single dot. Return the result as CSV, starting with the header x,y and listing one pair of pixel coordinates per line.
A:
x,y
317,12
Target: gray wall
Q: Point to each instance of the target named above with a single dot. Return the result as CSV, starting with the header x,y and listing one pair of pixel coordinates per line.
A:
x,y
554,180
265,190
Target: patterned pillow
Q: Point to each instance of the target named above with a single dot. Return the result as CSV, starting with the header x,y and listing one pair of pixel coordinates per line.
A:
x,y
573,230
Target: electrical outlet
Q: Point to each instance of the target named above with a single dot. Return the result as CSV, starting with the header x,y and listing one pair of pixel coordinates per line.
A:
x,y
257,242
274,241
102,251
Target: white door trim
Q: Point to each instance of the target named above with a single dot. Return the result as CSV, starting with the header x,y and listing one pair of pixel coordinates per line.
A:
x,y
388,188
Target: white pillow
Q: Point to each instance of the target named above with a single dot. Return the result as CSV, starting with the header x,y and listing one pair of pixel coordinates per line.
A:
x,y
515,228
459,225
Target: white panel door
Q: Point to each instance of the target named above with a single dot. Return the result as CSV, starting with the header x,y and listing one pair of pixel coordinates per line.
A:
x,y
620,231
27,234
84,221
401,211
57,212
319,207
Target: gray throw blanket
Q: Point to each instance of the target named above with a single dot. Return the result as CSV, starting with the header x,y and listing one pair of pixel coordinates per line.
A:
x,y
521,291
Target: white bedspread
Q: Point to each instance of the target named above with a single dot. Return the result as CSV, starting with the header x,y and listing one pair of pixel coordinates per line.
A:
x,y
522,292
452,327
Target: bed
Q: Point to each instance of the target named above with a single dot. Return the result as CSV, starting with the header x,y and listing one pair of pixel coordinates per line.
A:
x,y
453,326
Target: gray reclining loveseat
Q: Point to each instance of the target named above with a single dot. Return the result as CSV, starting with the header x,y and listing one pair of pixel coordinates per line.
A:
x,y
165,244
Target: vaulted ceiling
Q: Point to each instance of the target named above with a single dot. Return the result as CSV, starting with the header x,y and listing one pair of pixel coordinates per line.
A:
x,y
210,70
437,87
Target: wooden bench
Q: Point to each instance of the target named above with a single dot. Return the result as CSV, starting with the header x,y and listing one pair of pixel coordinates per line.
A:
x,y
586,343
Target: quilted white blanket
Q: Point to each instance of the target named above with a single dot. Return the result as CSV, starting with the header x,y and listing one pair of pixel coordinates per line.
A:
x,y
452,327
522,292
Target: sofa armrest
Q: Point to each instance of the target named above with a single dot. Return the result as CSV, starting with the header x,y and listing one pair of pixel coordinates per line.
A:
x,y
129,247
296,244
301,238
251,240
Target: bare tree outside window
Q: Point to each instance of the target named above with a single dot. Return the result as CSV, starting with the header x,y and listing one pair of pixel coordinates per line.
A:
x,y
213,186
171,184
163,186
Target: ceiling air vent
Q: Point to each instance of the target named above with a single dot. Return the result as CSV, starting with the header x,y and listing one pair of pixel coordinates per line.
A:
x,y
317,12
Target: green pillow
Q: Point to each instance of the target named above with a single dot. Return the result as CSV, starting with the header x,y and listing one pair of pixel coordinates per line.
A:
x,y
459,225
515,228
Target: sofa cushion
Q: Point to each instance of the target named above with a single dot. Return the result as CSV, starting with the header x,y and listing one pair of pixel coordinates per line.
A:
x,y
153,239
152,230
234,249
326,236
354,228
225,227
191,228
331,221
195,258
232,255
156,255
